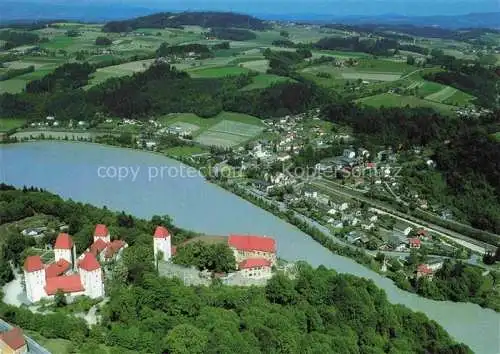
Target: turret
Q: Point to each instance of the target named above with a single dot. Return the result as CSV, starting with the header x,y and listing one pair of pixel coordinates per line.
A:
x,y
101,232
34,278
64,248
91,276
162,243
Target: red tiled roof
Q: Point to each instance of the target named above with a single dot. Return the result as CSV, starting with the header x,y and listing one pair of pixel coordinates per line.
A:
x,y
13,338
414,241
422,232
254,263
161,232
98,246
423,268
101,231
113,248
63,242
89,262
252,243
371,165
33,263
66,283
57,268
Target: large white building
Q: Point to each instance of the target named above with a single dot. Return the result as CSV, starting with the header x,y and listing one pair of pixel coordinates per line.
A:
x,y
73,276
162,243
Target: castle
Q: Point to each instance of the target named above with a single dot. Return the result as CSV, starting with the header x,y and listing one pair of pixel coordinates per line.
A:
x,y
69,274
254,255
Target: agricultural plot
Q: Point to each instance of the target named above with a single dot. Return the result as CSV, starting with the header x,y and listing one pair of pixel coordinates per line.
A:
x,y
460,98
372,76
121,70
257,65
393,100
265,80
442,95
228,133
218,72
12,86
7,124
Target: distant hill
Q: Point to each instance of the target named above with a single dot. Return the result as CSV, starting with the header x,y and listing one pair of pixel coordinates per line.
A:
x,y
473,20
204,19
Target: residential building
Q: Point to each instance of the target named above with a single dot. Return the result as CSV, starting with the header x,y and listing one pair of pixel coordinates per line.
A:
x,y
414,243
13,342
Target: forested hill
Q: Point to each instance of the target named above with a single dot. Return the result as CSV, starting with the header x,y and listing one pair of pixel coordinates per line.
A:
x,y
173,20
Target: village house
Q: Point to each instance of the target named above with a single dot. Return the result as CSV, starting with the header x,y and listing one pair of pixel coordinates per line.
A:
x,y
254,255
429,269
13,342
414,243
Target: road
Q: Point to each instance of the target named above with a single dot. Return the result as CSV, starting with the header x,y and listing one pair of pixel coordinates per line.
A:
x,y
474,245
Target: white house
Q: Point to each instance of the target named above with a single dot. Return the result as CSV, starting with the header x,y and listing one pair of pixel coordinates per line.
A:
x,y
344,206
162,243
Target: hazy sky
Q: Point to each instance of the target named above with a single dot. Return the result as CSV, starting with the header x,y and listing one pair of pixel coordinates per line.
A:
x,y
325,7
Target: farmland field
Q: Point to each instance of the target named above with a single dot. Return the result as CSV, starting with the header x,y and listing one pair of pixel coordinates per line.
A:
x,y
228,133
8,124
442,95
257,65
265,80
103,74
218,72
393,100
375,76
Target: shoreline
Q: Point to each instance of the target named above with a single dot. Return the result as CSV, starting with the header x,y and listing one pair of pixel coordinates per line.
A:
x,y
361,257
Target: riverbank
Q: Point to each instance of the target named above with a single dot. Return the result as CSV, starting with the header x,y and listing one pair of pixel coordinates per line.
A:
x,y
359,256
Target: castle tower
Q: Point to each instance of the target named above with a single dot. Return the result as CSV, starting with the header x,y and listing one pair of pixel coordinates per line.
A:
x,y
91,276
34,278
64,248
162,243
101,232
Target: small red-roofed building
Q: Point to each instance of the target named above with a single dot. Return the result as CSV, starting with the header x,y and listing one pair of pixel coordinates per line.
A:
x,y
247,246
64,248
162,243
101,232
256,268
414,243
34,277
91,276
12,341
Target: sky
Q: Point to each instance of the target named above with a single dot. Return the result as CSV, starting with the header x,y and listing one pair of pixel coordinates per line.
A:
x,y
323,7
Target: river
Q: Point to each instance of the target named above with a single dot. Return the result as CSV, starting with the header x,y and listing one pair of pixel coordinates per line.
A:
x,y
89,173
